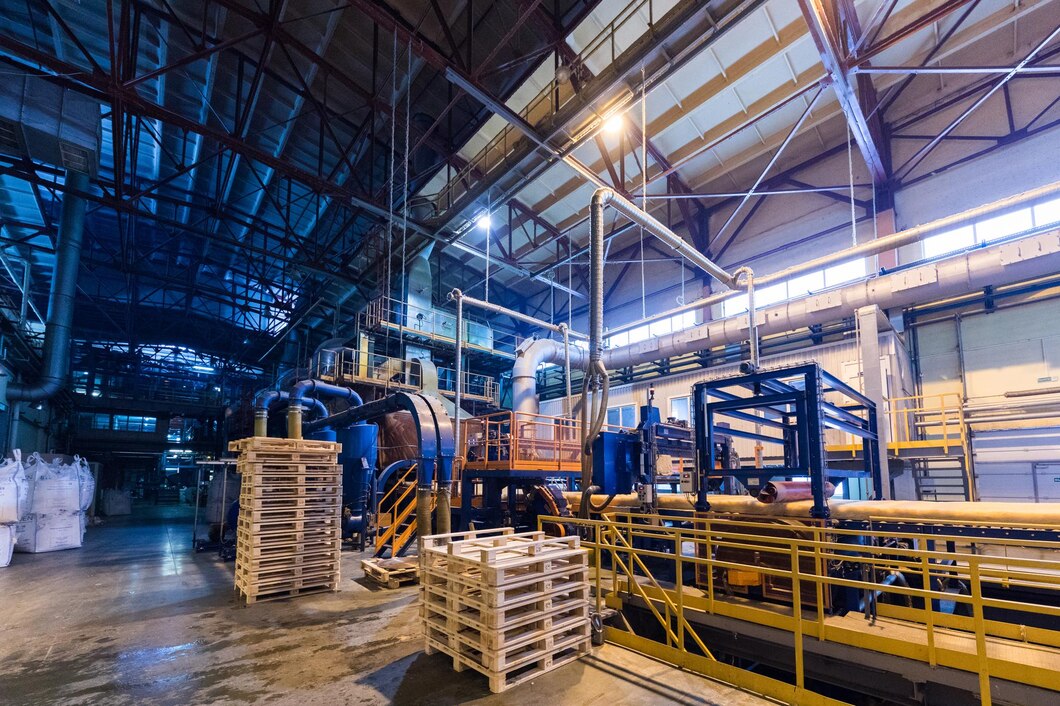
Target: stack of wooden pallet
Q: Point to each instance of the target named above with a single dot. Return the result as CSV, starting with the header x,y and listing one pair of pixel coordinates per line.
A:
x,y
511,606
289,537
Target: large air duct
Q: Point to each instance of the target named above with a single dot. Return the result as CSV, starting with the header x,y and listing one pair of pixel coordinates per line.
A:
x,y
1000,264
307,388
57,334
871,247
266,399
1005,263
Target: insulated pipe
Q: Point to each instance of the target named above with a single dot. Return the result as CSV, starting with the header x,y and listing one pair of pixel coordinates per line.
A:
x,y
979,512
56,354
528,357
266,399
511,313
1004,263
303,389
872,247
606,196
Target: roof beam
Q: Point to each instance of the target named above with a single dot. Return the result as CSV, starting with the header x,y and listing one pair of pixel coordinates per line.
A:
x,y
827,31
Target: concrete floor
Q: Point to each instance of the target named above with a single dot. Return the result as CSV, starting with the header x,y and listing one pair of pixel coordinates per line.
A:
x,y
135,617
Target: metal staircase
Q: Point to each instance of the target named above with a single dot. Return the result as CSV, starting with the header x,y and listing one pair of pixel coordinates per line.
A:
x,y
942,478
397,516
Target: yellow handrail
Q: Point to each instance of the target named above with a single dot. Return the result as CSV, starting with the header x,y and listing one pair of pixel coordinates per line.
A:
x,y
799,554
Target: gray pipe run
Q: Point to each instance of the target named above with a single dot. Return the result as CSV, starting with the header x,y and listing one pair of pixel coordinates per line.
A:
x,y
871,247
607,197
306,388
56,364
1001,264
266,399
518,315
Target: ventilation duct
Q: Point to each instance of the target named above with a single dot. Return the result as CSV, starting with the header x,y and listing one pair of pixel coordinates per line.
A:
x,y
49,124
56,365
1005,263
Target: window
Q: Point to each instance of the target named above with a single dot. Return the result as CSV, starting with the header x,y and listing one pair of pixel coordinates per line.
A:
x,y
683,321
619,339
659,328
1047,213
124,422
847,272
638,334
625,416
1005,224
734,306
771,295
948,242
681,408
805,284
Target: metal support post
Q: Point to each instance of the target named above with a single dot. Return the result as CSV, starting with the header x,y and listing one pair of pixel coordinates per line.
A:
x,y
872,386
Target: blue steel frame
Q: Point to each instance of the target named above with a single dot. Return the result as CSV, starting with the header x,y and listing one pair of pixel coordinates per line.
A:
x,y
493,485
793,408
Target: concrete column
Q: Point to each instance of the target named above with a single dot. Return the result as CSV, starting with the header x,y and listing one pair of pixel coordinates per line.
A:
x,y
869,318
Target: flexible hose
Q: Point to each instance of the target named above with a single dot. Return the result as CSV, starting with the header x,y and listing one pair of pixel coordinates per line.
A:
x,y
442,513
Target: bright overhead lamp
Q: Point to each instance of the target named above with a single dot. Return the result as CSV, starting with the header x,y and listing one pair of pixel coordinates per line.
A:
x,y
613,125
484,221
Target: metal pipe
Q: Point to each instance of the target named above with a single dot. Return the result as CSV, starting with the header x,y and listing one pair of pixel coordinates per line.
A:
x,y
459,383
1022,514
1004,263
752,314
871,247
265,399
1012,418
518,315
56,364
605,196
566,370
970,409
302,389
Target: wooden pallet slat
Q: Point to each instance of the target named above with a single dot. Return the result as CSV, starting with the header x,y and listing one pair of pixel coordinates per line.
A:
x,y
288,536
510,606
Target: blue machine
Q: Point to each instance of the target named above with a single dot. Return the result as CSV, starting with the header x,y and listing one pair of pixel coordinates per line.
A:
x,y
360,452
791,407
614,465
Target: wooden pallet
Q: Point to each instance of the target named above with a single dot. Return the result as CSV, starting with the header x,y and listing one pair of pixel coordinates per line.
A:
x,y
288,536
277,443
307,546
510,606
391,572
531,666
253,593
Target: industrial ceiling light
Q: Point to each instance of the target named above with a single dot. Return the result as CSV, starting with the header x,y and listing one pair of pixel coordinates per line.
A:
x,y
613,125
484,221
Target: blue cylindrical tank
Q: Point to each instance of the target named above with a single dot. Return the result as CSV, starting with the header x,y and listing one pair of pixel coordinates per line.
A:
x,y
325,434
360,452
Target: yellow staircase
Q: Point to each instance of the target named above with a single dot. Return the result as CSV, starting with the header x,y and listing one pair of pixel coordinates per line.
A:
x,y
397,516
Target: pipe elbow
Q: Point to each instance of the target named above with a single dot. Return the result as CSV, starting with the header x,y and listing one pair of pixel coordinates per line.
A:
x,y
602,196
266,398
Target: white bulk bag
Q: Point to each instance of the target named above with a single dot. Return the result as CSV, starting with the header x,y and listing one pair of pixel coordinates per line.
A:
x,y
7,544
86,482
13,489
56,487
48,533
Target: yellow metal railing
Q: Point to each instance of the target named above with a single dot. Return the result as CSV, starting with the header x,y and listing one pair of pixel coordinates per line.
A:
x,y
400,502
799,558
522,441
924,422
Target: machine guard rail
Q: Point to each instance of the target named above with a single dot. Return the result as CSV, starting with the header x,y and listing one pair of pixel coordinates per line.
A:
x,y
617,543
